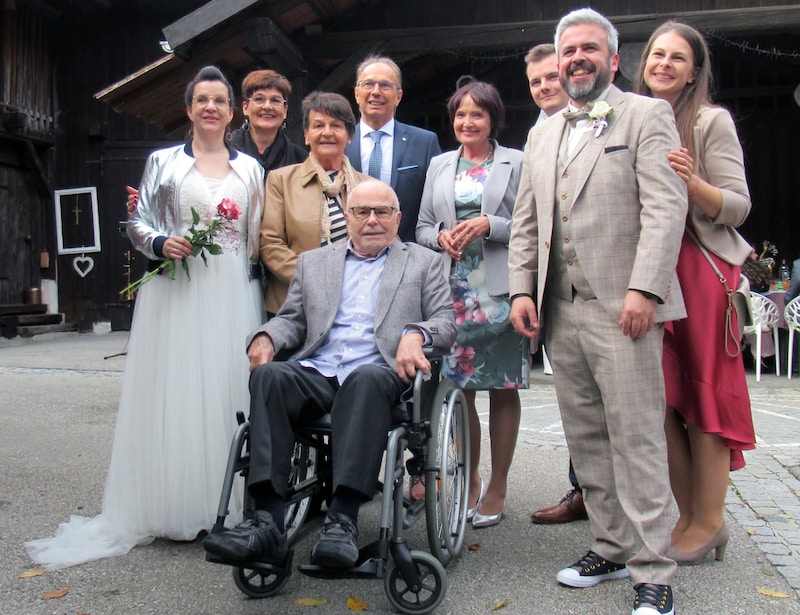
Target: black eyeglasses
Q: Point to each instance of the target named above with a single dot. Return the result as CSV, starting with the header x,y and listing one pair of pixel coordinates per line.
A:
x,y
382,212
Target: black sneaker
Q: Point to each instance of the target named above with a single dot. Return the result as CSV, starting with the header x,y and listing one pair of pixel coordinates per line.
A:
x,y
337,545
590,571
652,599
254,539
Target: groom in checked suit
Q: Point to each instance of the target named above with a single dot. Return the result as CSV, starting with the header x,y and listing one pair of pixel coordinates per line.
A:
x,y
357,316
404,151
595,235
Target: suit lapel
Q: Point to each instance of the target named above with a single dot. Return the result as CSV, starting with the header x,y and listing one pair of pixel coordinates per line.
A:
x,y
399,145
496,182
390,280
333,281
591,149
353,149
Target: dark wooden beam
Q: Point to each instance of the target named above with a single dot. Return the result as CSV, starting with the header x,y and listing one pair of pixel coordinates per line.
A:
x,y
504,36
268,44
203,19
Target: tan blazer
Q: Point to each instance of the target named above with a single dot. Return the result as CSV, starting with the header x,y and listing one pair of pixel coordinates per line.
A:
x,y
720,162
290,224
627,234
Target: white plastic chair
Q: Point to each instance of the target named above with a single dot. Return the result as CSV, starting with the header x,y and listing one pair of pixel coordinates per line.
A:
x,y
765,317
791,313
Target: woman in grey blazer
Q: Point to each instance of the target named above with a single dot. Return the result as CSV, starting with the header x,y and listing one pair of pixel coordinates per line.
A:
x,y
466,215
709,421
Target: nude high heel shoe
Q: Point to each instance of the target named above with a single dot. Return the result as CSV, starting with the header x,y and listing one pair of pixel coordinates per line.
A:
x,y
692,558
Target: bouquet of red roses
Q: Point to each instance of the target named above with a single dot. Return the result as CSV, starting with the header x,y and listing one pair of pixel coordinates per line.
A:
x,y
202,237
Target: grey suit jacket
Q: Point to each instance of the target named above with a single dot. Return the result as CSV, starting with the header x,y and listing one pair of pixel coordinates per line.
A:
x,y
720,162
413,291
412,151
499,193
627,211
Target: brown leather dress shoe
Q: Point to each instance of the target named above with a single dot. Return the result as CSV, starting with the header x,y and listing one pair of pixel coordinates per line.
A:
x,y
570,508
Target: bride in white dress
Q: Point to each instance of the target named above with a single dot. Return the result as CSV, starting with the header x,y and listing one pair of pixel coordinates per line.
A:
x,y
186,372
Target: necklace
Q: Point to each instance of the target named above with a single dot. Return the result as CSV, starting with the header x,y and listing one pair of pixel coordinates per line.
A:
x,y
488,156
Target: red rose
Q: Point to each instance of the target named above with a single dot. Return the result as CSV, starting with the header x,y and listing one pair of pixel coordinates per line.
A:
x,y
229,210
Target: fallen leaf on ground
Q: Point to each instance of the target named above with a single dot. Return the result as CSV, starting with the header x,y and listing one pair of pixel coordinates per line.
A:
x,y
59,593
311,601
474,546
751,532
500,605
34,572
356,604
772,592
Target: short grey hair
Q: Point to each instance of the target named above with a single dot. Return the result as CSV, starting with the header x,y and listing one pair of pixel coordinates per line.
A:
x,y
580,17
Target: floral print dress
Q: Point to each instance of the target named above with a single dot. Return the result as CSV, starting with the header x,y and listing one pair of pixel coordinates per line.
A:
x,y
487,353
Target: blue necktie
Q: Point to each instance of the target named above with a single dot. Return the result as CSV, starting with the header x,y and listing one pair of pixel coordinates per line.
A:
x,y
376,155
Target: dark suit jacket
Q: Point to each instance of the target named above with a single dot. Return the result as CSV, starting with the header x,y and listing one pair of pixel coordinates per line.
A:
x,y
412,151
413,291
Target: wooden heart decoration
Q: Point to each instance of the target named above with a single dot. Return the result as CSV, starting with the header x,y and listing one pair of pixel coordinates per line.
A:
x,y
83,265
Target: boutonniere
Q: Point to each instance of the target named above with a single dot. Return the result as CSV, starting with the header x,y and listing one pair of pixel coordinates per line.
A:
x,y
598,114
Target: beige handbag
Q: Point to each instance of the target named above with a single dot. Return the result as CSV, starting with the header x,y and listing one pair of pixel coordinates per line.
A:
x,y
738,300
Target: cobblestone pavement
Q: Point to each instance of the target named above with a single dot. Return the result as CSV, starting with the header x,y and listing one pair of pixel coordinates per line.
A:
x,y
764,497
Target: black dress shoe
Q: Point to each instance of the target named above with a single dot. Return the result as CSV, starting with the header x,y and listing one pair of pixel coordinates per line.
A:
x,y
254,539
337,545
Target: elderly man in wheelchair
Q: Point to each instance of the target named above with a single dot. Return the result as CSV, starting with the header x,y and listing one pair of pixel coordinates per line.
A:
x,y
359,314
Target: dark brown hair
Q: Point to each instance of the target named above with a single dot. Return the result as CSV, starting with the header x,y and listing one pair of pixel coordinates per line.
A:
x,y
486,96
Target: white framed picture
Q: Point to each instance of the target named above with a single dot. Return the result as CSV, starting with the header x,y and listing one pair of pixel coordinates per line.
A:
x,y
77,223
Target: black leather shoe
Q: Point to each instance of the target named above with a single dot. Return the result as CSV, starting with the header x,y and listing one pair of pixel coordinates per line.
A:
x,y
652,599
337,545
254,539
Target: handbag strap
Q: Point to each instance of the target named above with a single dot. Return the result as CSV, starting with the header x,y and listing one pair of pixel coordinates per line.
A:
x,y
730,333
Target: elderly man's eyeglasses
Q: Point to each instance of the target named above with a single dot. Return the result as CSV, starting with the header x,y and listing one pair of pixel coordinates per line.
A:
x,y
260,101
382,212
202,101
384,86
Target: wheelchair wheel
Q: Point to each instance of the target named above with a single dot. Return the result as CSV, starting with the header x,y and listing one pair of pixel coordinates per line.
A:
x,y
258,583
305,464
422,599
447,472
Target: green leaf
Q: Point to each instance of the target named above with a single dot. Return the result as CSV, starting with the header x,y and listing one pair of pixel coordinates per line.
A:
x,y
203,256
214,249
185,265
171,270
195,216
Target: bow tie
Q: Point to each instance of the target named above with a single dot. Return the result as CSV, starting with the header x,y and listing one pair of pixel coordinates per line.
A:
x,y
574,116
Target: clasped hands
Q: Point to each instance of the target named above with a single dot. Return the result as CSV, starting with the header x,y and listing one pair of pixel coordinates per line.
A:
x,y
410,355
454,241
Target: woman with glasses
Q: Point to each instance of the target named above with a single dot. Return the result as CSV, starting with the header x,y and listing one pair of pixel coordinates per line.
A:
x,y
305,202
265,103
186,371
466,214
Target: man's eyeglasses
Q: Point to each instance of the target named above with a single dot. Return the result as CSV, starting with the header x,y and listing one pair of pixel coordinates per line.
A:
x,y
260,101
384,86
382,212
202,101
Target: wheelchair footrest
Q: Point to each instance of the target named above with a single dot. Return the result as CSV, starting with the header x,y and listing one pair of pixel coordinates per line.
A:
x,y
368,564
283,568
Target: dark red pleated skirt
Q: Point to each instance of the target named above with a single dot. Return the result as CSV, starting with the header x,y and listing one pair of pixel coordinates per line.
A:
x,y
705,384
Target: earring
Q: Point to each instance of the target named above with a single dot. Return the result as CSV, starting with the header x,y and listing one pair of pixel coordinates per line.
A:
x,y
246,123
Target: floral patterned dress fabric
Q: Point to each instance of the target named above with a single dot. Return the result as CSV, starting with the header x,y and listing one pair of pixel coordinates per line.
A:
x,y
487,354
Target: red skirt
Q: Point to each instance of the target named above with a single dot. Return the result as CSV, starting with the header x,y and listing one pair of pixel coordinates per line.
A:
x,y
703,383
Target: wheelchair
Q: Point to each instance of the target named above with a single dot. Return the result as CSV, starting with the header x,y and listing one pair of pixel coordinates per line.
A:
x,y
436,435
